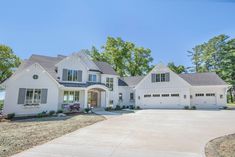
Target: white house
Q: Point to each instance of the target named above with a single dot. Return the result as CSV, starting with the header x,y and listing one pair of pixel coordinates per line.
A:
x,y
45,83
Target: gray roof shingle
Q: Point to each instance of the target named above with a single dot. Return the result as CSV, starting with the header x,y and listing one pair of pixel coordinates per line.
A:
x,y
203,79
105,68
130,81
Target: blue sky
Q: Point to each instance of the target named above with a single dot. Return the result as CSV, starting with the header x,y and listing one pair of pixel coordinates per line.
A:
x,y
168,27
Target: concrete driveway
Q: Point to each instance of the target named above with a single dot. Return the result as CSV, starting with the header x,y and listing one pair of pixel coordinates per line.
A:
x,y
147,133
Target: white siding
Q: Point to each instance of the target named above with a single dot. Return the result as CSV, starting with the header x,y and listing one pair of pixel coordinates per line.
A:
x,y
176,85
125,90
25,80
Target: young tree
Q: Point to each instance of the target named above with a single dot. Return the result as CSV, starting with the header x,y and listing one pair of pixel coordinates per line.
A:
x,y
8,61
177,69
125,57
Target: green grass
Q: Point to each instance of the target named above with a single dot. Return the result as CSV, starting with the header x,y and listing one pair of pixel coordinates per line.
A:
x,y
231,104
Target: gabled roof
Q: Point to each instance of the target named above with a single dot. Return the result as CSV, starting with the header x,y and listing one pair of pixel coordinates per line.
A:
x,y
203,79
130,81
105,68
49,64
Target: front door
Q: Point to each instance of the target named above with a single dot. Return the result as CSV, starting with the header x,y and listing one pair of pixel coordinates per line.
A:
x,y
93,99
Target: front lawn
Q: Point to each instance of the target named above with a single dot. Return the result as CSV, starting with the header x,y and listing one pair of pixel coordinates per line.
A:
x,y
221,147
19,135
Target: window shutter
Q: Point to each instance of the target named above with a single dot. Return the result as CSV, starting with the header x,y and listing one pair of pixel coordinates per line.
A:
x,y
167,77
79,76
153,77
21,95
44,96
65,75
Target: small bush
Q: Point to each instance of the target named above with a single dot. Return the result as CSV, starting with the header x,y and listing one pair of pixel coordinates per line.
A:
x,y
193,108
225,107
52,112
10,115
87,110
127,106
186,107
59,111
108,108
123,107
132,107
137,107
42,114
118,107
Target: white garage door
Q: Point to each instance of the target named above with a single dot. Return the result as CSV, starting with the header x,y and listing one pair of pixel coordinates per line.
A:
x,y
161,100
205,99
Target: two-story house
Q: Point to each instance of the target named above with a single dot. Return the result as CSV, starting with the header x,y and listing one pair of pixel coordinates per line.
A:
x,y
44,83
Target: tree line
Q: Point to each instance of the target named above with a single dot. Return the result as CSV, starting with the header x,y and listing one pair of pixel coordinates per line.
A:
x,y
128,59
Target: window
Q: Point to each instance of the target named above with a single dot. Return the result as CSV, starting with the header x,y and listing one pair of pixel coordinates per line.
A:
x,y
120,96
191,96
131,96
33,96
175,95
158,77
165,95
156,95
92,78
199,94
109,83
210,94
71,96
161,77
72,75
221,96
185,96
147,95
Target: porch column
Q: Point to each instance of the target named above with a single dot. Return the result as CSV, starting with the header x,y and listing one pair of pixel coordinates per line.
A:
x,y
106,98
85,98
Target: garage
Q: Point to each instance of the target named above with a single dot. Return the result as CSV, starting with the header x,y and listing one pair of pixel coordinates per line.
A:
x,y
161,100
204,99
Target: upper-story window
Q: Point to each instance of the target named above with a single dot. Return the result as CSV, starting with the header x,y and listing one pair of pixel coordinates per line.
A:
x,y
109,83
161,77
92,78
72,75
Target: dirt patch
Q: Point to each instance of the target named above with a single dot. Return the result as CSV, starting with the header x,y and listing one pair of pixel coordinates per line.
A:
x,y
221,147
20,135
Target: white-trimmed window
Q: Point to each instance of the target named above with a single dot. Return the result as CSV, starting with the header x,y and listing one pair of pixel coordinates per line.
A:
x,y
156,95
92,78
210,94
199,94
71,96
131,96
120,96
109,83
165,95
161,77
175,95
147,95
33,96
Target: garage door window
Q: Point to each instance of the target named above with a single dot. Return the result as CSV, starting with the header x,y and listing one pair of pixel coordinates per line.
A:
x,y
165,95
147,95
199,94
175,95
156,95
210,94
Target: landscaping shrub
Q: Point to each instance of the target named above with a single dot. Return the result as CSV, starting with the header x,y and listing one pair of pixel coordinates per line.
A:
x,y
87,110
225,107
186,107
137,107
193,108
60,111
52,112
42,114
132,107
118,107
108,108
123,107
10,115
127,106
